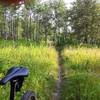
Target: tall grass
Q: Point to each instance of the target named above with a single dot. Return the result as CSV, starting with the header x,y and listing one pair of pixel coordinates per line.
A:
x,y
82,74
83,59
42,64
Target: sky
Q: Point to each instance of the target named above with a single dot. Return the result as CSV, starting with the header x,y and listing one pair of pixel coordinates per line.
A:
x,y
68,2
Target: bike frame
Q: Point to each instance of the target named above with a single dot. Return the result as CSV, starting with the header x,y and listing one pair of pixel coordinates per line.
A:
x,y
12,90
16,85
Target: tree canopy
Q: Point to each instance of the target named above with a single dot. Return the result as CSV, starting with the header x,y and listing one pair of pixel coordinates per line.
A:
x,y
51,21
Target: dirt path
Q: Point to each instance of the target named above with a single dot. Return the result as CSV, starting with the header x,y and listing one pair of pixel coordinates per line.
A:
x,y
57,93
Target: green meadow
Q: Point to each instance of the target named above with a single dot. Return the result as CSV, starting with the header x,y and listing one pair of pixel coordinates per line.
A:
x,y
42,64
81,74
58,41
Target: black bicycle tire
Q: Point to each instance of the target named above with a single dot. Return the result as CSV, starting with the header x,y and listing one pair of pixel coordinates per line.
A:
x,y
28,94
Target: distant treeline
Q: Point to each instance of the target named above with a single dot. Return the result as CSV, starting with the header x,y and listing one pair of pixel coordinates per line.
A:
x,y
52,22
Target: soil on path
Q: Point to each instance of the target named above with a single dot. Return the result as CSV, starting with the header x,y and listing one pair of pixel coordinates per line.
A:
x,y
57,92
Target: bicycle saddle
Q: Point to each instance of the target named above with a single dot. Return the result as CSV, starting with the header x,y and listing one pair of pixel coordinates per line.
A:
x,y
13,73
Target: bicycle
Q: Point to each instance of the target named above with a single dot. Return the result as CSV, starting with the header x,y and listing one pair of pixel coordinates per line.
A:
x,y
15,76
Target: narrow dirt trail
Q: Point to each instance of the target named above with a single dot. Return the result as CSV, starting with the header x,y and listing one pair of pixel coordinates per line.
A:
x,y
58,88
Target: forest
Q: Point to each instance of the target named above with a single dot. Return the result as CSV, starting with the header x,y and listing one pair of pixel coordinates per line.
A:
x,y
60,46
51,22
